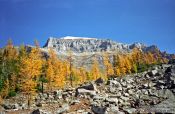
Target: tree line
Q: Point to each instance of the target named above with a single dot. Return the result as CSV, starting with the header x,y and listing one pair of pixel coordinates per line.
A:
x,y
28,71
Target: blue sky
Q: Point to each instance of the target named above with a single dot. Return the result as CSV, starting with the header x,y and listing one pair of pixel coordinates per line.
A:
x,y
126,21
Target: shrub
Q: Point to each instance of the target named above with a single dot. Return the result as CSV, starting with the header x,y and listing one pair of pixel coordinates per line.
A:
x,y
11,93
142,68
39,88
1,85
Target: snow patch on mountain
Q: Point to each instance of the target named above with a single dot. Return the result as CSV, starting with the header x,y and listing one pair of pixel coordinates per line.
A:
x,y
77,38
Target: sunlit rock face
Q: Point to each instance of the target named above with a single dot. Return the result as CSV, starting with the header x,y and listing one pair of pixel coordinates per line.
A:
x,y
84,44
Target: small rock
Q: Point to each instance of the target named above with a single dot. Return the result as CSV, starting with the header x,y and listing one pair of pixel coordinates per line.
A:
x,y
112,100
98,110
126,94
65,108
145,85
112,110
147,76
172,78
151,84
161,82
99,81
124,98
97,97
39,104
37,111
170,69
58,94
165,93
75,102
80,111
152,73
130,110
144,91
115,86
118,94
130,91
124,84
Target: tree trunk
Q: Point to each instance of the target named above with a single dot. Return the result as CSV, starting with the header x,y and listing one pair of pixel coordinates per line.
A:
x,y
71,83
28,100
42,87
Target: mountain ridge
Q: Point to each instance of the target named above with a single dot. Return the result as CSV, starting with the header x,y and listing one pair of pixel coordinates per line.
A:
x,y
86,44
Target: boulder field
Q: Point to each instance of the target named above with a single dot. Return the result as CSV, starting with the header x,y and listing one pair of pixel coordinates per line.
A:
x,y
152,91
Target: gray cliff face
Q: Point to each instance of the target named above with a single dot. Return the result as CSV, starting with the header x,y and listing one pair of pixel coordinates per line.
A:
x,y
85,49
80,44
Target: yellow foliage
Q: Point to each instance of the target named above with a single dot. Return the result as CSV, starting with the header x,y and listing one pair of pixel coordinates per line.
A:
x,y
117,71
55,72
29,87
89,76
30,70
127,64
137,56
122,64
10,53
108,66
95,69
50,74
82,75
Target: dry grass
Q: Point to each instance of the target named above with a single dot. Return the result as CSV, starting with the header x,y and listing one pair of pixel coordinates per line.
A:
x,y
83,105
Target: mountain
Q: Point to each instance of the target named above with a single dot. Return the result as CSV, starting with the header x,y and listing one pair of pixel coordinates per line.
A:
x,y
84,49
90,45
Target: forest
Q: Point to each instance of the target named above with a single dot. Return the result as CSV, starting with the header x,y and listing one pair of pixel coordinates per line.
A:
x,y
29,72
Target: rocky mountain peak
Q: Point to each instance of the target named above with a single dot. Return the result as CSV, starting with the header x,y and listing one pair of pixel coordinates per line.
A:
x,y
86,44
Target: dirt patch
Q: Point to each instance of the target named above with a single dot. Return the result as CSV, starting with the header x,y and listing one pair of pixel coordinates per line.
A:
x,y
83,105
18,112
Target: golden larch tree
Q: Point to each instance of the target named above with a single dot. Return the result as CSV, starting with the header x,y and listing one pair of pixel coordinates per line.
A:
x,y
95,69
108,66
30,70
55,71
128,64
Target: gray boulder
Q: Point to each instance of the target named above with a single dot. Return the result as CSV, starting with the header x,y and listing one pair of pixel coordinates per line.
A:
x,y
75,102
65,108
130,110
170,69
112,100
153,72
10,106
112,109
85,92
37,111
114,86
99,81
99,110
90,86
58,94
165,93
166,106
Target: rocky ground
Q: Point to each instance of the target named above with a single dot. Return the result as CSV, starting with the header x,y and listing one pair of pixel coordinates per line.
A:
x,y
150,91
